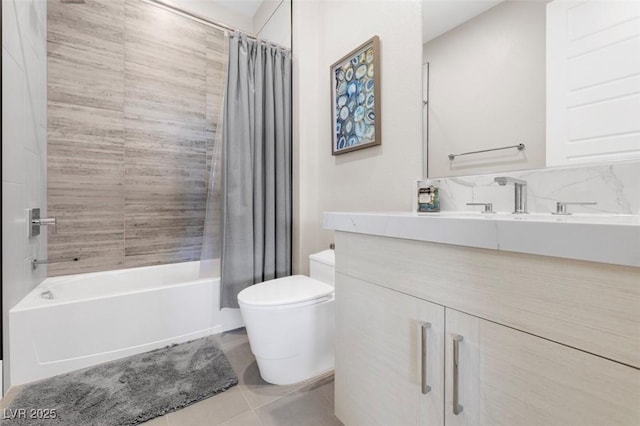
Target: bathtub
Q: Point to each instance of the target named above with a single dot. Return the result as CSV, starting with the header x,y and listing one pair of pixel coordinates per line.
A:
x,y
77,321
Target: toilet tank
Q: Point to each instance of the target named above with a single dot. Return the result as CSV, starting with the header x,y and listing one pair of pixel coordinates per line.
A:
x,y
322,266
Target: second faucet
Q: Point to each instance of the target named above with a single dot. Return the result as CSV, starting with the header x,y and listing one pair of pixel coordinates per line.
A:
x,y
520,194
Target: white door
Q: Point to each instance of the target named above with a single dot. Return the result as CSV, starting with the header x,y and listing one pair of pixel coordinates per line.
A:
x,y
593,81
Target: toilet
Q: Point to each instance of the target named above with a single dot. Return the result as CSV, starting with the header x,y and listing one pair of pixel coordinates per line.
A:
x,y
290,322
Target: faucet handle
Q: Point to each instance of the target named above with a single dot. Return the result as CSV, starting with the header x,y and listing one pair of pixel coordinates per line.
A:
x,y
488,207
561,206
47,221
35,222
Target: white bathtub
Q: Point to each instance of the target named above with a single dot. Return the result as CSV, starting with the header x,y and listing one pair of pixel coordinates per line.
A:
x,y
98,317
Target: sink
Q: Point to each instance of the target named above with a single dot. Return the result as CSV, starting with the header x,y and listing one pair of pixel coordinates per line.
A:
x,y
593,237
612,219
621,219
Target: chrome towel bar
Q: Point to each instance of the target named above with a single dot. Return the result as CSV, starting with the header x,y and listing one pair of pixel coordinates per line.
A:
x,y
520,147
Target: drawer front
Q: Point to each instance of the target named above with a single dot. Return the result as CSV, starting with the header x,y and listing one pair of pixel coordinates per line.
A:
x,y
586,305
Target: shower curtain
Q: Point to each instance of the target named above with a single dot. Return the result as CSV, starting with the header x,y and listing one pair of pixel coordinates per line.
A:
x,y
256,167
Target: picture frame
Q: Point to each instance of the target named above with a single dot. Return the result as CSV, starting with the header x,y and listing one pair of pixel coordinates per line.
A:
x,y
355,99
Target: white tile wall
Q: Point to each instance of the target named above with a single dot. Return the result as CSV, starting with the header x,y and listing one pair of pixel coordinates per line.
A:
x,y
277,27
24,149
13,119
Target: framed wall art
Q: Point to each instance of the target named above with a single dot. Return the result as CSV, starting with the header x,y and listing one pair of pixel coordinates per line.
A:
x,y
355,99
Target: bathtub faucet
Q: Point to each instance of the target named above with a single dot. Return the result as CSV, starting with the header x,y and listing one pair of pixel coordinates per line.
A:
x,y
36,262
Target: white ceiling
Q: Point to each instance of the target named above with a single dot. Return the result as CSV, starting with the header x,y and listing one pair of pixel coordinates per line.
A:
x,y
439,16
246,8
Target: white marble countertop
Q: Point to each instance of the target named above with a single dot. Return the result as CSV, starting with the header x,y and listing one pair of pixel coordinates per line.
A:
x,y
603,238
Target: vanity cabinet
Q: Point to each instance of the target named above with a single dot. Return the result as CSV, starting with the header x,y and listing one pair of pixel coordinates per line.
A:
x,y
379,351
507,377
500,345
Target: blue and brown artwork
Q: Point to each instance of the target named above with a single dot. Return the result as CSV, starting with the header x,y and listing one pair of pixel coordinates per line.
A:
x,y
354,99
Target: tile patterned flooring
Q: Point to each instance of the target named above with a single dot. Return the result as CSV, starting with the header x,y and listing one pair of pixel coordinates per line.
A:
x,y
253,402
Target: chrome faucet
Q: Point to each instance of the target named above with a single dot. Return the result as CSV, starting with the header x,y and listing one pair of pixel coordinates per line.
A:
x,y
520,201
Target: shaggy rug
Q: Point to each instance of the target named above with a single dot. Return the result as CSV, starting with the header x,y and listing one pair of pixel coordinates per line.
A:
x,y
128,391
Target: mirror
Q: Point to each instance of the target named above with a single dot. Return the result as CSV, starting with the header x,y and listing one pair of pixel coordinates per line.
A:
x,y
498,96
484,86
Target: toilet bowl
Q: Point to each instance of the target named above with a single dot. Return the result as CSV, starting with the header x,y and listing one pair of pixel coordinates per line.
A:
x,y
290,323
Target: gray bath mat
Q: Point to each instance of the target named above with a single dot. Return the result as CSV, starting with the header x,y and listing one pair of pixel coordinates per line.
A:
x,y
127,391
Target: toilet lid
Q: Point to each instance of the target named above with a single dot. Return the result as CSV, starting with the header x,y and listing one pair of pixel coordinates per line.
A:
x,y
284,291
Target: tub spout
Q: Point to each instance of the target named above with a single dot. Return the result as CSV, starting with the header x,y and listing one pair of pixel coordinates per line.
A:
x,y
36,262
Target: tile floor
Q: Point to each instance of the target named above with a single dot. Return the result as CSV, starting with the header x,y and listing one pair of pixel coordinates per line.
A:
x,y
253,402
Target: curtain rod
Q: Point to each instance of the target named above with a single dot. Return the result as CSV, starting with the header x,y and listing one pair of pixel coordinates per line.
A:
x,y
168,6
227,29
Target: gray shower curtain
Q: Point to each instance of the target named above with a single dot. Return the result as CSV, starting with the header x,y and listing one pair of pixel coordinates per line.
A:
x,y
256,167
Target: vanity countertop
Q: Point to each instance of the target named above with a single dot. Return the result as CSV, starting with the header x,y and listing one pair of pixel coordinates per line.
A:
x,y
602,238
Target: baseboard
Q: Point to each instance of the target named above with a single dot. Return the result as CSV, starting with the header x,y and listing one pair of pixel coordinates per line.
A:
x,y
231,319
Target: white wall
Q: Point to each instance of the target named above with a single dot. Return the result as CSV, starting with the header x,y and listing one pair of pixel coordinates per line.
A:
x,y
487,90
272,22
438,17
208,9
24,149
378,178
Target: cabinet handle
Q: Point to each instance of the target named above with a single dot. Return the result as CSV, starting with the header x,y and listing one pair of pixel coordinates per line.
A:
x,y
457,407
423,361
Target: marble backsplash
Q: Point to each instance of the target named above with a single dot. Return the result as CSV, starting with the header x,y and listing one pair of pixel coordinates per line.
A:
x,y
614,186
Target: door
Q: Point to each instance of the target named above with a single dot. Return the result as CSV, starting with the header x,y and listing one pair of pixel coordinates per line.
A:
x,y
593,81
507,377
379,347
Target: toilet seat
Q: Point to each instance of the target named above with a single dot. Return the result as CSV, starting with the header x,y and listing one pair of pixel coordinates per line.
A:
x,y
298,290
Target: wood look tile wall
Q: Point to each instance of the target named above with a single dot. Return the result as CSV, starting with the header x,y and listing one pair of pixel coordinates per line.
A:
x,y
133,94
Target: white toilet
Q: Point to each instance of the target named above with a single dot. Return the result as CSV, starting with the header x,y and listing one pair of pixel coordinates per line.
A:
x,y
290,322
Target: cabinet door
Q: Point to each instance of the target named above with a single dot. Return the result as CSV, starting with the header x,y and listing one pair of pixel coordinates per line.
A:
x,y
379,371
507,377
